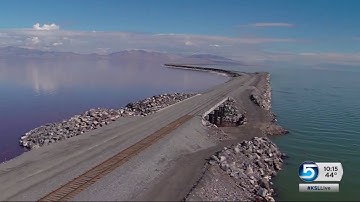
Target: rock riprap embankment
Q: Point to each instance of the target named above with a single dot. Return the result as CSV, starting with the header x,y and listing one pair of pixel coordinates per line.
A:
x,y
227,114
262,97
96,118
241,172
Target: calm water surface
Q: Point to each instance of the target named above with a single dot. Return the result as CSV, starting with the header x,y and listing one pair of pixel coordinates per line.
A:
x,y
320,106
34,92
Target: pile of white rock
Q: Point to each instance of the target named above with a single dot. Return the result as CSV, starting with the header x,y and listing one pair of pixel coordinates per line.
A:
x,y
262,98
232,113
96,118
245,170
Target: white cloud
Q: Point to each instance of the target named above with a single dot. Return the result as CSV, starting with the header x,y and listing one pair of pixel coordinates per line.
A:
x,y
46,27
271,24
32,41
189,43
57,44
35,40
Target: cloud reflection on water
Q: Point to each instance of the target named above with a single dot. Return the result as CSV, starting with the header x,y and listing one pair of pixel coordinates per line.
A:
x,y
47,76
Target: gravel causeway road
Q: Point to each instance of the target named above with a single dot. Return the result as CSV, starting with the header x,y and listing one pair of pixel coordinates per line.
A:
x,y
37,173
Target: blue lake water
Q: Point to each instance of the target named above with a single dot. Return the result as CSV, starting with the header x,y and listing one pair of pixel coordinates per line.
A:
x,y
320,106
34,92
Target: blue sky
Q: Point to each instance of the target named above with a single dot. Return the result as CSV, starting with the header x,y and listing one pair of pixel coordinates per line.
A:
x,y
321,26
214,17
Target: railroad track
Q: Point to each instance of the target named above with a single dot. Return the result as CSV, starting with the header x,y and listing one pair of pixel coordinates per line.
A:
x,y
75,186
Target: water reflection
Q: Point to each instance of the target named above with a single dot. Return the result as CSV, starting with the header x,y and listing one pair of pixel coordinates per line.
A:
x,y
34,92
49,75
41,83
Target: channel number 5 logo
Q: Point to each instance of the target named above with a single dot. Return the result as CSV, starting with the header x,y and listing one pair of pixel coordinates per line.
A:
x,y
308,171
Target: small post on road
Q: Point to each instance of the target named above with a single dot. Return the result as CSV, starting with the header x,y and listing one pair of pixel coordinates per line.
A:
x,y
216,115
211,118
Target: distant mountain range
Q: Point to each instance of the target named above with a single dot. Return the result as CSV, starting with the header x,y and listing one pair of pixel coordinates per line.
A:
x,y
207,59
128,56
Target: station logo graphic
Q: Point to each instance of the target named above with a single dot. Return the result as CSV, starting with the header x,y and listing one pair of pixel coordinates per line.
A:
x,y
308,171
